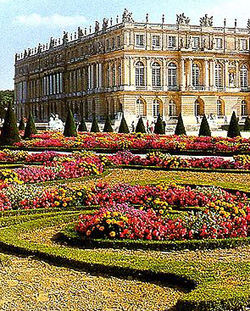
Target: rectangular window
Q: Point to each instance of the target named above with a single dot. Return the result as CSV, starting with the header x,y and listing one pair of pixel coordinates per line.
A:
x,y
196,42
108,44
243,44
171,41
139,40
218,43
118,41
156,41
113,43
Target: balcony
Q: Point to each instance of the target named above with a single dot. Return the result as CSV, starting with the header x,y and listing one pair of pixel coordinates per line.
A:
x,y
199,88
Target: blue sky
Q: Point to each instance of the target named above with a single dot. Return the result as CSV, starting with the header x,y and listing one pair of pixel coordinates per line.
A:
x,y
25,23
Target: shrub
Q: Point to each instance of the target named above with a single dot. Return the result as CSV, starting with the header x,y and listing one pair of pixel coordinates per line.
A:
x,y
21,125
123,128
70,126
108,127
247,124
140,128
82,126
204,128
9,133
30,127
159,126
180,128
94,126
233,130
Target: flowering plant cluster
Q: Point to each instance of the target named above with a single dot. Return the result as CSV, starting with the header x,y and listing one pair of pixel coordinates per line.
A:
x,y
116,141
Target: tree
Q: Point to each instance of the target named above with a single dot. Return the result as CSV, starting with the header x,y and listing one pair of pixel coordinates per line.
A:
x,y
30,128
247,124
70,126
82,126
204,128
21,124
123,128
108,127
159,126
9,132
233,129
140,128
180,128
94,126
6,98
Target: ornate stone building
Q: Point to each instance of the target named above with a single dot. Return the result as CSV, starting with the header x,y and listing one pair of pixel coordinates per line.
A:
x,y
141,69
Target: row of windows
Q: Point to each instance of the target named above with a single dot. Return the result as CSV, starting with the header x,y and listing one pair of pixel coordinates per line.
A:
x,y
172,110
196,75
172,42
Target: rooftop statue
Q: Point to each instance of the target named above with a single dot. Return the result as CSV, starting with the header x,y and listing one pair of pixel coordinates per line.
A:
x,y
127,17
80,32
97,26
65,37
248,25
182,19
206,21
51,43
105,23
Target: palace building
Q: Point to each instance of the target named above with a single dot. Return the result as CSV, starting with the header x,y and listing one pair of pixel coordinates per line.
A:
x,y
140,69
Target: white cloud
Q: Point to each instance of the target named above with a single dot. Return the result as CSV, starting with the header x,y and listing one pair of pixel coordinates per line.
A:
x,y
55,20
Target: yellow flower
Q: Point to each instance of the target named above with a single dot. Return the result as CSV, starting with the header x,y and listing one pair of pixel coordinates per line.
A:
x,y
112,234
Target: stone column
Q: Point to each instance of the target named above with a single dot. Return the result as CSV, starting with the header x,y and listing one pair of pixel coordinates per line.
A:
x,y
97,75
183,77
164,79
237,78
190,73
206,80
226,78
148,75
100,75
89,77
212,73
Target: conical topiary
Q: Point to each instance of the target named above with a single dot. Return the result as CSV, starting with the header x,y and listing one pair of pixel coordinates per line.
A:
x,y
159,127
123,128
94,126
140,128
21,125
247,124
180,128
82,126
204,128
30,128
9,132
233,130
70,126
108,127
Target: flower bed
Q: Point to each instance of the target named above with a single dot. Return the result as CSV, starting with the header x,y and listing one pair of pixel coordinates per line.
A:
x,y
139,142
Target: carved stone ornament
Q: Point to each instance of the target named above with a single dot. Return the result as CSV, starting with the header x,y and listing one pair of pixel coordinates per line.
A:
x,y
182,19
97,26
80,32
105,23
206,21
127,17
248,25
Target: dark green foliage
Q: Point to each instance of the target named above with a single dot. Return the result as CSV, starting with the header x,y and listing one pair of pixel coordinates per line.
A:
x,y
70,126
123,128
140,128
21,125
82,126
233,130
204,128
30,128
180,128
108,127
6,98
94,126
9,133
159,126
247,124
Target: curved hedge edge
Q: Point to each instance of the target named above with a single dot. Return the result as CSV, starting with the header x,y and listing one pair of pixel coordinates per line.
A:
x,y
184,169
70,236
108,150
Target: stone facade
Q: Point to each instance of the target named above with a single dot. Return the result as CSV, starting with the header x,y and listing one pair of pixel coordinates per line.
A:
x,y
140,69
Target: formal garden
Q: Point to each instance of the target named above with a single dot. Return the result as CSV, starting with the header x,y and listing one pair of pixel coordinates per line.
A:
x,y
154,226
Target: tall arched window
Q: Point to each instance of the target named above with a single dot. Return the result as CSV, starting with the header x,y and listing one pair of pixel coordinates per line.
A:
x,y
156,108
156,74
197,108
139,74
243,108
243,76
218,75
139,107
172,75
219,108
172,108
196,75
